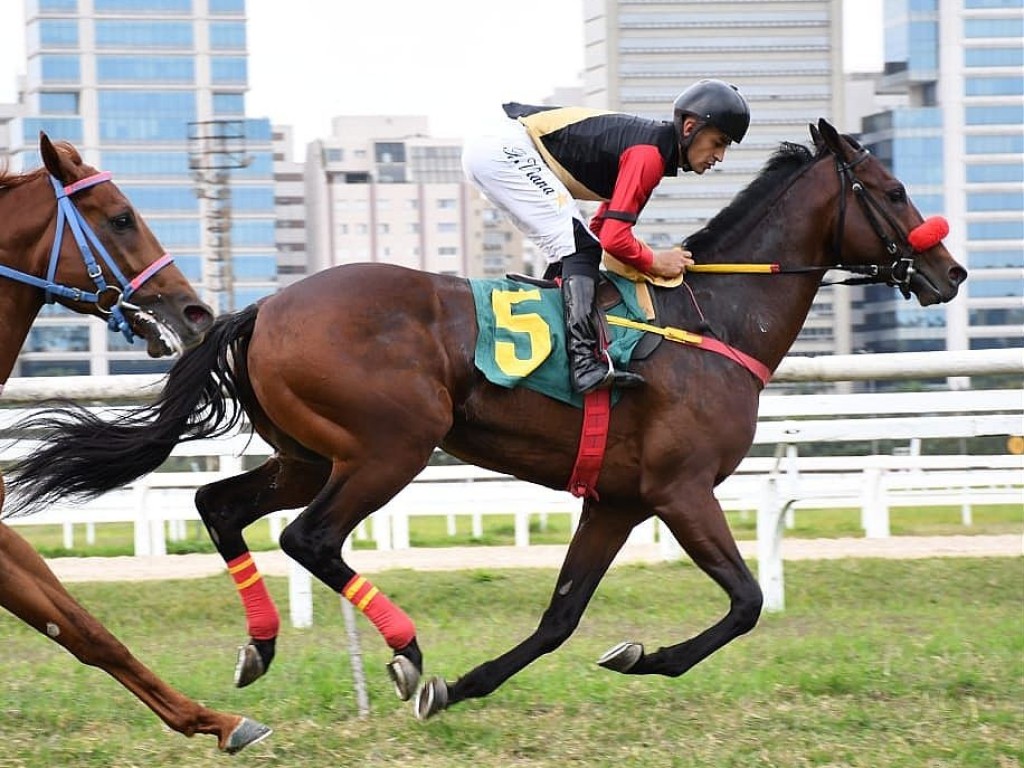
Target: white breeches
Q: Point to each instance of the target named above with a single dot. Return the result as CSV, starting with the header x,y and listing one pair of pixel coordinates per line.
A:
x,y
510,173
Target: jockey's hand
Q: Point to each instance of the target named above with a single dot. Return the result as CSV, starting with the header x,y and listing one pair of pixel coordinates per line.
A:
x,y
670,264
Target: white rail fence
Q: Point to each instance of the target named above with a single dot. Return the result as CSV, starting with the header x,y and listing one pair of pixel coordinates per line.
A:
x,y
771,487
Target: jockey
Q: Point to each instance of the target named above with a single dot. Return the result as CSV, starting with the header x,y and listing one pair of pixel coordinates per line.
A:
x,y
540,160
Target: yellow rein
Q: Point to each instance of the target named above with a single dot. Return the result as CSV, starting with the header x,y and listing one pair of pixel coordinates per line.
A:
x,y
758,269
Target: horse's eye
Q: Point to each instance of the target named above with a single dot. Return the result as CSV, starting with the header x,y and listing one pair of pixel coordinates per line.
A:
x,y
123,221
898,195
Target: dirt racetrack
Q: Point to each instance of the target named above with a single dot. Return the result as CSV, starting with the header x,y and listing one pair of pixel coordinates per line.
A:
x,y
276,563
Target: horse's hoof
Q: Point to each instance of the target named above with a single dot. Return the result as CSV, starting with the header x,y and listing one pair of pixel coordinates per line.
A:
x,y
622,657
405,676
249,667
432,698
246,732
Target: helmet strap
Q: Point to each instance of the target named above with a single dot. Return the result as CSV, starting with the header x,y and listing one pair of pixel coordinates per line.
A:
x,y
686,141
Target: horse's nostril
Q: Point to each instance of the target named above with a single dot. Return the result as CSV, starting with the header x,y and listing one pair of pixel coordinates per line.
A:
x,y
957,275
199,315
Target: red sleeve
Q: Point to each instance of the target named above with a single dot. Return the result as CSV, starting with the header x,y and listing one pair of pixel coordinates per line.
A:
x,y
641,169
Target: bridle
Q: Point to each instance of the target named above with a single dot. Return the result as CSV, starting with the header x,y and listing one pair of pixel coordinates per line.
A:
x,y
899,273
111,301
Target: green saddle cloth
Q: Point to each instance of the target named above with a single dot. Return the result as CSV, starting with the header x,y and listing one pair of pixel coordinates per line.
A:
x,y
522,335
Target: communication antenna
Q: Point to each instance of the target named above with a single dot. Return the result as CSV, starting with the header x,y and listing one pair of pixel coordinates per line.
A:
x,y
215,148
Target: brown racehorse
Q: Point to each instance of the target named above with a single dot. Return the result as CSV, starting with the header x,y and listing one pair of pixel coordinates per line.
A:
x,y
357,373
67,234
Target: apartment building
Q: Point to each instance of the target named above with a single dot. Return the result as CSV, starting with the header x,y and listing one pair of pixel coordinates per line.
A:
x,y
382,189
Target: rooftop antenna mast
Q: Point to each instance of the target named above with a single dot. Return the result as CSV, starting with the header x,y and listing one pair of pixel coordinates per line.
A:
x,y
216,148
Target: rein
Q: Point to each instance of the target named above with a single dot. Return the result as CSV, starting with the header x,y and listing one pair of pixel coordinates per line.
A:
x,y
110,300
898,274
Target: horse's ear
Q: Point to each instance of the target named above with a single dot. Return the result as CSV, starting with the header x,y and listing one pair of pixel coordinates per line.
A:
x,y
51,159
819,143
830,138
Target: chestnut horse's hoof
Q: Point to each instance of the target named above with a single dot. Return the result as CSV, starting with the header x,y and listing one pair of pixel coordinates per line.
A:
x,y
405,675
432,698
246,732
622,657
253,661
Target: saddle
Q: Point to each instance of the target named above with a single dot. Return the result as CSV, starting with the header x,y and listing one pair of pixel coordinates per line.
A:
x,y
608,296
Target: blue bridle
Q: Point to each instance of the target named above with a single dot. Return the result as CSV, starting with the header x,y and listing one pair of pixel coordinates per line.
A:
x,y
110,300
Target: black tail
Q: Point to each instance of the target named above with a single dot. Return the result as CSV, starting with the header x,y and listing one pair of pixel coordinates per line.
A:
x,y
86,456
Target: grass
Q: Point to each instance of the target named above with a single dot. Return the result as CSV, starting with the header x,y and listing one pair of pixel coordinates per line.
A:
x,y
117,538
916,664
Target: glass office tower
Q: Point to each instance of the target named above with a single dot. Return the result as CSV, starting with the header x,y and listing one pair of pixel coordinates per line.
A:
x,y
959,146
127,81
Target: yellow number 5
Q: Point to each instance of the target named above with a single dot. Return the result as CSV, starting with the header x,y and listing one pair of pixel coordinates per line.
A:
x,y
530,323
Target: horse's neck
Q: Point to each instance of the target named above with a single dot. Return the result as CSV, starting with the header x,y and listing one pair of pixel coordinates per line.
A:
x,y
763,314
26,223
17,312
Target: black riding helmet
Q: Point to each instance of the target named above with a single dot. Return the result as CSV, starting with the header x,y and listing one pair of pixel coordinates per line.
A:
x,y
712,102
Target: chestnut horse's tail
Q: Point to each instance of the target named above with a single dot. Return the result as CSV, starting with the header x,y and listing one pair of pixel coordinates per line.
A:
x,y
86,455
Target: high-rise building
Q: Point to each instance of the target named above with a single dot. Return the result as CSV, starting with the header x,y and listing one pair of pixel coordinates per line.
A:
x,y
381,189
959,146
153,91
289,209
784,56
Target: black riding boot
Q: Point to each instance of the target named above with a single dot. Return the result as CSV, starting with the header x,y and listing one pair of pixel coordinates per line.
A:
x,y
589,365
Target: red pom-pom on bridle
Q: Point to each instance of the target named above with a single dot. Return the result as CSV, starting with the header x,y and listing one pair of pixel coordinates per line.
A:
x,y
928,234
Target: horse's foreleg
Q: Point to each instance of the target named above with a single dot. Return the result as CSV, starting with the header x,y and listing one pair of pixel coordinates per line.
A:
x,y
702,530
29,590
226,508
601,533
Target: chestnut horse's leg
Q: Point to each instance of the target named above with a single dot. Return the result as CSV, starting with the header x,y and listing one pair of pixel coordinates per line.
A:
x,y
29,590
601,533
226,508
702,530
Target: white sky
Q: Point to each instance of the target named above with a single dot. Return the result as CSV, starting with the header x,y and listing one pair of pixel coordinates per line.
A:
x,y
455,61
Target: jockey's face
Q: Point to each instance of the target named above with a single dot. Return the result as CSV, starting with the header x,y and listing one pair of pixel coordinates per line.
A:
x,y
707,148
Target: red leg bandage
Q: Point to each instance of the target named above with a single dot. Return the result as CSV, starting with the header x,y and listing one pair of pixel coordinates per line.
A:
x,y
389,619
260,611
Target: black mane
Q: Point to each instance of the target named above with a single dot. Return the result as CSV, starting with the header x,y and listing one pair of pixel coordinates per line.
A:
x,y
786,162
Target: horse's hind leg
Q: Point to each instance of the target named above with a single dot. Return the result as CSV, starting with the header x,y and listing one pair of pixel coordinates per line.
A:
x,y
601,533
29,590
315,537
226,508
702,530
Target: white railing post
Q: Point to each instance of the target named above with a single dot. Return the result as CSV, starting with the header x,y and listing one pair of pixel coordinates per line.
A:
x,y
769,547
386,522
792,483
522,524
391,527
874,505
300,595
142,537
667,544
68,535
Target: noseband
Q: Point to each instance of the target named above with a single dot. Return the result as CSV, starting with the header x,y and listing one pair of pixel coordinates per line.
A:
x,y
899,273
111,300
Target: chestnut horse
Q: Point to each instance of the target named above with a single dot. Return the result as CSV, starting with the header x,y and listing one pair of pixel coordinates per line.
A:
x,y
357,373
68,235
